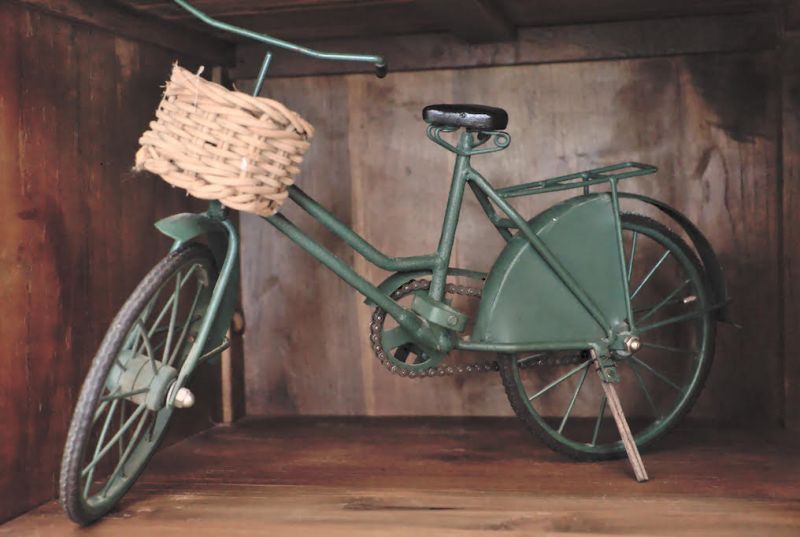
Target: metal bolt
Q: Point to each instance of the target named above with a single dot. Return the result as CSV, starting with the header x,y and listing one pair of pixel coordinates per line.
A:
x,y
452,320
633,344
184,398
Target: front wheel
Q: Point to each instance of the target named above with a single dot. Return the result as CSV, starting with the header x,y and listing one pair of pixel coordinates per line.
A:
x,y
121,415
559,396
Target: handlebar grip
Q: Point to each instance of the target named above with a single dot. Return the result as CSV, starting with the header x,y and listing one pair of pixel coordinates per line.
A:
x,y
381,70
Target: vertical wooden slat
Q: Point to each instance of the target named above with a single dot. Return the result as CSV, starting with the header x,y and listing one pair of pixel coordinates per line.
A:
x,y
13,278
301,355
791,234
79,233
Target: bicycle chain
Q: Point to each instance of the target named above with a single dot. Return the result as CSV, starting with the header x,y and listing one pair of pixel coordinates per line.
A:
x,y
376,330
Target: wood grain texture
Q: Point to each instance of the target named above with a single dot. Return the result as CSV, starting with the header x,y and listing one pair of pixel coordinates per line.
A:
x,y
791,233
78,234
546,44
446,477
710,122
128,23
282,288
322,19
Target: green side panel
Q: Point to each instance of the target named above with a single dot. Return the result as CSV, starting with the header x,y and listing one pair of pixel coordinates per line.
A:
x,y
524,301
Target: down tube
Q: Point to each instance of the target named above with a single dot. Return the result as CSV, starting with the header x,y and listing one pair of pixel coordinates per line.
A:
x,y
407,320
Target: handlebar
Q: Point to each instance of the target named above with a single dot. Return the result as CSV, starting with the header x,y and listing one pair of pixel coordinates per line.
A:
x,y
381,68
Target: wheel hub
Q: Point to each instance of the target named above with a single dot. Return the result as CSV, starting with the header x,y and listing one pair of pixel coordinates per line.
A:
x,y
147,381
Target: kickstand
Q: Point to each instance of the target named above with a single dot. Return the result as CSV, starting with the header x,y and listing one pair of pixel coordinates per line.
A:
x,y
624,431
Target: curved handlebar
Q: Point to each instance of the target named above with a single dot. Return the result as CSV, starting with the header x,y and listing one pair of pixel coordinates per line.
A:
x,y
381,67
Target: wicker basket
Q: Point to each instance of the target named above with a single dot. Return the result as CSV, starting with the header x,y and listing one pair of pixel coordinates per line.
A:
x,y
225,145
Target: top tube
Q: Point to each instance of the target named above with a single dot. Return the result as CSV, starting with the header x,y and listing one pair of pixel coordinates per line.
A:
x,y
377,61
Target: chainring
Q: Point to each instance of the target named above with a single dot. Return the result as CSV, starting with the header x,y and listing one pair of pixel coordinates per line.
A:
x,y
397,360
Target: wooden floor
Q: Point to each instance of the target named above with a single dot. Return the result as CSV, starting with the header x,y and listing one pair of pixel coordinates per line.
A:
x,y
325,477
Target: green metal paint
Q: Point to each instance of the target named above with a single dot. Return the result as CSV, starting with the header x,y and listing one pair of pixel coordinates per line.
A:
x,y
524,300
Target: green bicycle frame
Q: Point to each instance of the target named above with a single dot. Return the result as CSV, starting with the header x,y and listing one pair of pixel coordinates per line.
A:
x,y
437,263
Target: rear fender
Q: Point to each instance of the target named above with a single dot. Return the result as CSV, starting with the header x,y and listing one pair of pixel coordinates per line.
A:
x,y
708,258
524,301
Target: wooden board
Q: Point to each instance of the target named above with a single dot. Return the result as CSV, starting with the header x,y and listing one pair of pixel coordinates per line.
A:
x,y
78,234
791,233
710,122
546,44
446,477
127,23
470,20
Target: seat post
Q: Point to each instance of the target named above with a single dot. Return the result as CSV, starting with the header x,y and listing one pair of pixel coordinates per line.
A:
x,y
451,215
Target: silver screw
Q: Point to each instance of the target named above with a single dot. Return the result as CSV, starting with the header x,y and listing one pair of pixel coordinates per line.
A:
x,y
184,398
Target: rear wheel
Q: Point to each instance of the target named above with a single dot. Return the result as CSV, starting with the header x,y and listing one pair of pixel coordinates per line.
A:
x,y
121,415
559,396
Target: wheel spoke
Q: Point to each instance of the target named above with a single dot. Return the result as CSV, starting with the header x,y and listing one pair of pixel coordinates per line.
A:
x,y
667,349
647,395
672,320
99,455
558,381
173,316
185,327
633,255
657,373
102,406
147,345
650,274
599,420
123,458
87,485
125,395
121,423
664,302
167,305
531,357
572,401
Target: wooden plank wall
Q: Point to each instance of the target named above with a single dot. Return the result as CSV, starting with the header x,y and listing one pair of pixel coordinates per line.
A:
x,y
791,202
710,121
77,233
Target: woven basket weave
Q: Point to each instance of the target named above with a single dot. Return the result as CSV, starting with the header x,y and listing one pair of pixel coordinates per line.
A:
x,y
225,145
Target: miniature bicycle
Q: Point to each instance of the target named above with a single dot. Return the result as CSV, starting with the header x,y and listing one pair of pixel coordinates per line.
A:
x,y
582,298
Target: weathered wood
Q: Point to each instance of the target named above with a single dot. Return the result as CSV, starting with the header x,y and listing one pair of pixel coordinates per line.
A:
x,y
791,232
446,477
709,122
301,348
318,19
128,23
792,20
614,40
474,21
79,235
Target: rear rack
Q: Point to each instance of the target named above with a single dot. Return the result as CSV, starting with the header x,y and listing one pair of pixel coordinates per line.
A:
x,y
584,180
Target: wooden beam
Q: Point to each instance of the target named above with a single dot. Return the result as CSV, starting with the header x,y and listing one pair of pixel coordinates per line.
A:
x,y
474,21
127,23
631,39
